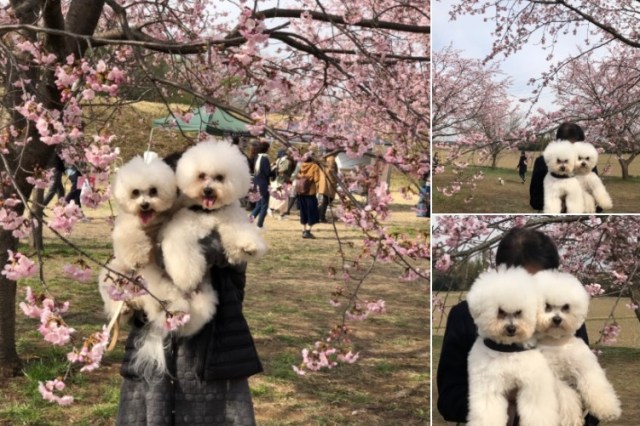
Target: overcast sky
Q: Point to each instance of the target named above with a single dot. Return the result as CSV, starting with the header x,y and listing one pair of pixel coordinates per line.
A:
x,y
472,35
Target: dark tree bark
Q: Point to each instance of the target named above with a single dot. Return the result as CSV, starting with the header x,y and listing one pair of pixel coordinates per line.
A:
x,y
82,18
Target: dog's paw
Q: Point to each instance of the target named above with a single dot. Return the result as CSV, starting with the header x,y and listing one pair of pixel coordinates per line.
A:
x,y
242,251
606,204
606,410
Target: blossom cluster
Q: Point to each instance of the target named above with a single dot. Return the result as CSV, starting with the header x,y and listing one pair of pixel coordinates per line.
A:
x,y
52,326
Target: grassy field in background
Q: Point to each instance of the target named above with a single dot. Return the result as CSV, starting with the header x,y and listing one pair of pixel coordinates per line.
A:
x,y
513,197
620,360
509,160
287,307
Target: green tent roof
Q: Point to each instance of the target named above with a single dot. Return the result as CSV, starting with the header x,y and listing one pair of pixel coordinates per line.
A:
x,y
218,123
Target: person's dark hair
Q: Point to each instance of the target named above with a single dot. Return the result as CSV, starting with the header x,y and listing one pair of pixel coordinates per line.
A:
x,y
570,132
172,159
526,248
263,147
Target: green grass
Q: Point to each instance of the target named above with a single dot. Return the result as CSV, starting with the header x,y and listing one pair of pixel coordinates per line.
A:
x,y
513,197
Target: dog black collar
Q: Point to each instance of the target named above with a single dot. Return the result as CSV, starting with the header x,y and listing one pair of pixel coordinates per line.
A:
x,y
560,176
198,209
500,347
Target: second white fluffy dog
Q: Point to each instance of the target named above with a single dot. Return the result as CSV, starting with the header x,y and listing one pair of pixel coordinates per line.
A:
x,y
213,177
503,305
595,194
563,309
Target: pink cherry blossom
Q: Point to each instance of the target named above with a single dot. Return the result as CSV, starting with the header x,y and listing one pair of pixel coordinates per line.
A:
x,y
48,388
18,266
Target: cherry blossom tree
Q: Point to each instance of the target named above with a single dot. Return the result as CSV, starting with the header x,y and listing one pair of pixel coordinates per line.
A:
x,y
600,251
473,115
602,92
346,75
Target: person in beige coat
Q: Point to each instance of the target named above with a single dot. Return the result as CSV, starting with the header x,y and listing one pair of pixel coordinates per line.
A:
x,y
327,186
307,200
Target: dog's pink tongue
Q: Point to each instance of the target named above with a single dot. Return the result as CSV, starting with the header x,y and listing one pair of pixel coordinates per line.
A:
x,y
146,217
208,203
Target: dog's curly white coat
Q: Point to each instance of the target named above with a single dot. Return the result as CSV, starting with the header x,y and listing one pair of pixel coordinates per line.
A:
x,y
560,158
595,193
563,308
212,177
145,193
503,305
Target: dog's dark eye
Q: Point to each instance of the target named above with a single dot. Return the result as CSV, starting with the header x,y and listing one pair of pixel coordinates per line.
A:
x,y
547,307
153,191
501,313
565,308
219,178
135,193
517,314
202,176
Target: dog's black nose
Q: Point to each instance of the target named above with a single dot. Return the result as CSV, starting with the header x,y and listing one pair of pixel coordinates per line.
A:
x,y
511,329
144,206
562,168
557,320
208,191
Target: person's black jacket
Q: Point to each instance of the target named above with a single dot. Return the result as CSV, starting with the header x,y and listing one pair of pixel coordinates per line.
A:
x,y
536,187
452,376
224,348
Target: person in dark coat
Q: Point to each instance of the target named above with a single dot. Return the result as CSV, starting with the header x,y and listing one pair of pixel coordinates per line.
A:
x,y
522,167
57,188
527,248
261,178
569,132
207,382
76,190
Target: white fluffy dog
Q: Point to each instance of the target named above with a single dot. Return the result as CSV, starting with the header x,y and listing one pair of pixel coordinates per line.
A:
x,y
594,191
564,303
145,193
559,183
503,305
212,177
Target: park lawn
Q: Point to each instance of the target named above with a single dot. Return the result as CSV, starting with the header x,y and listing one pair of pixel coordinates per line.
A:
x,y
287,308
489,196
620,360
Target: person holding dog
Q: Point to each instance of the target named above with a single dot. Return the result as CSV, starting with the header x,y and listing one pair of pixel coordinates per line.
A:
x,y
569,132
527,248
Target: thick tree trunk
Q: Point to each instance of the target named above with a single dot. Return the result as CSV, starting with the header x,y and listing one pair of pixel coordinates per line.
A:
x,y
624,164
82,19
9,361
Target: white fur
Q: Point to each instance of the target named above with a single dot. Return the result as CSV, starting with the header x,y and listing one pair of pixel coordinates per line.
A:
x,y
212,176
144,193
563,308
503,305
595,193
560,158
